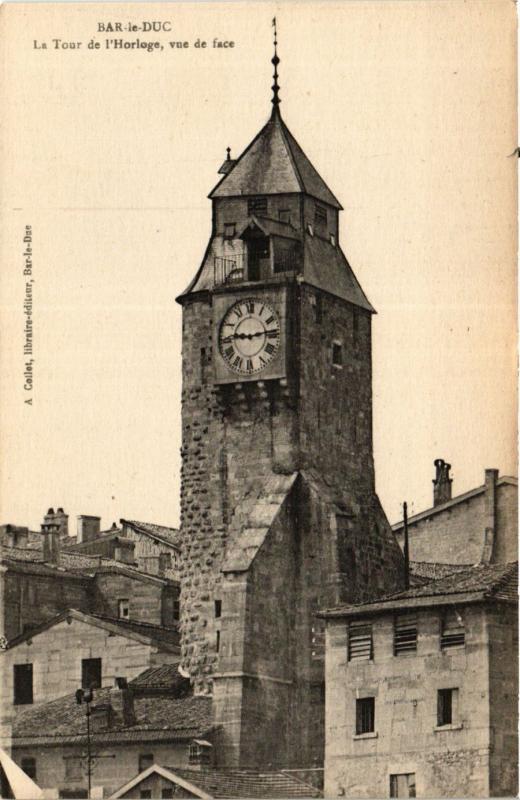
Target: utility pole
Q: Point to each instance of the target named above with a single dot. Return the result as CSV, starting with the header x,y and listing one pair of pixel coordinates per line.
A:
x,y
87,696
406,547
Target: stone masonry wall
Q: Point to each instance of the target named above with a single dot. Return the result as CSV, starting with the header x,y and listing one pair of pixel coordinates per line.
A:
x,y
33,599
116,765
146,597
56,656
447,762
502,621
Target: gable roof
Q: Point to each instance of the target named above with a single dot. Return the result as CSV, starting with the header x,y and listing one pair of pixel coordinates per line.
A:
x,y
498,582
227,783
145,632
274,163
505,480
162,533
157,718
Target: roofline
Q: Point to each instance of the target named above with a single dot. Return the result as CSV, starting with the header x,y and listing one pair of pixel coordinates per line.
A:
x,y
13,564
505,479
124,736
427,601
165,773
89,619
158,536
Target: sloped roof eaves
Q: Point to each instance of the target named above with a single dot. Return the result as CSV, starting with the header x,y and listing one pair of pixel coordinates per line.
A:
x,y
113,737
41,568
229,783
147,529
326,267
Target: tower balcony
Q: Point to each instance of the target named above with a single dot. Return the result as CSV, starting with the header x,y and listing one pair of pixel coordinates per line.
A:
x,y
262,259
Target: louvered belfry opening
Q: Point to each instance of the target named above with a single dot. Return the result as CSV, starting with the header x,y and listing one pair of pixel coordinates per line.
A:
x,y
405,634
360,641
452,630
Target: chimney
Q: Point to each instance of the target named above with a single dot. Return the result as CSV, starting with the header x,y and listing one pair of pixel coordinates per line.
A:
x,y
59,518
442,482
88,528
51,542
122,702
490,511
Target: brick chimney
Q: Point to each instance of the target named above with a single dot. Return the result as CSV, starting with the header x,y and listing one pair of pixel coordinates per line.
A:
x,y
122,702
88,528
442,482
60,518
51,542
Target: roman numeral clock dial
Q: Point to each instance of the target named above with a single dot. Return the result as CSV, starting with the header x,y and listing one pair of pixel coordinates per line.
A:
x,y
249,336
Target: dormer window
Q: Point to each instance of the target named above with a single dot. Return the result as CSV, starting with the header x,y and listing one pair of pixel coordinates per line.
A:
x,y
257,205
229,230
320,214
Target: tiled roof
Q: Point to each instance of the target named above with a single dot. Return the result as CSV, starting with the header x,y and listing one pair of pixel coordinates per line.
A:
x,y
167,638
228,783
480,582
433,570
274,163
169,535
164,678
163,717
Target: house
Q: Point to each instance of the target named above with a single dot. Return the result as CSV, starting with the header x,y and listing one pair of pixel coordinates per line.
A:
x,y
478,526
36,583
166,782
151,719
422,688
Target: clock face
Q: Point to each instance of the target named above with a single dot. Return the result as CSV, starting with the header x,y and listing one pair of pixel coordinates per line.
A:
x,y
249,336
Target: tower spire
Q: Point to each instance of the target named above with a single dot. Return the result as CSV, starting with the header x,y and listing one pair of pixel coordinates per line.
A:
x,y
275,61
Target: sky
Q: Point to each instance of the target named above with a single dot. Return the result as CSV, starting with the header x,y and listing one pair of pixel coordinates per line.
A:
x,y
406,109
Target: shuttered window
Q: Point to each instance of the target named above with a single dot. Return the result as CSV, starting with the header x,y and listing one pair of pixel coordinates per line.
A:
x,y
405,634
452,630
365,715
360,641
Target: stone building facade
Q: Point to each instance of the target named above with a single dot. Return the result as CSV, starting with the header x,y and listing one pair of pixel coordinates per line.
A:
x,y
422,690
279,515
479,526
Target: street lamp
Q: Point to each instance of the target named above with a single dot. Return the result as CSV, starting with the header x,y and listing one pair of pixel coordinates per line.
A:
x,y
86,696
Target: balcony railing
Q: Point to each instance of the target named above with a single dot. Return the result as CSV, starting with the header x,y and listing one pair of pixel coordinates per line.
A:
x,y
229,269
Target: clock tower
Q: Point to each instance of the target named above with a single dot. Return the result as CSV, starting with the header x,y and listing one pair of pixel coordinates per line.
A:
x,y
279,515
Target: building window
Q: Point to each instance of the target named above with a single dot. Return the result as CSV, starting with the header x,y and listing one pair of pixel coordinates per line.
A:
x,y
91,673
123,609
402,785
365,715
257,205
229,230
217,642
337,354
73,768
145,761
320,214
405,634
446,706
218,608
176,610
23,684
360,646
284,215
29,767
200,752
452,630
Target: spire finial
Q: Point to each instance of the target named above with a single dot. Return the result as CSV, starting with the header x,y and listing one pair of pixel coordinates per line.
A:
x,y
275,61
228,151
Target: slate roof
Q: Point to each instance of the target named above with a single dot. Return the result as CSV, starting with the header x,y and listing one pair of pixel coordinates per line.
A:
x,y
228,783
274,163
478,583
434,570
165,678
166,638
161,717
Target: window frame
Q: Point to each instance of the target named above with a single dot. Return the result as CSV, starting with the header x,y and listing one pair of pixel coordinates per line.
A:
x,y
28,690
84,668
351,640
230,230
394,784
365,715
30,770
145,757
337,354
404,641
120,602
447,707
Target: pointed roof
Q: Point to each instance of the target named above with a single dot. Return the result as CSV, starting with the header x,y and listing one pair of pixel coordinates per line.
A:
x,y
274,163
